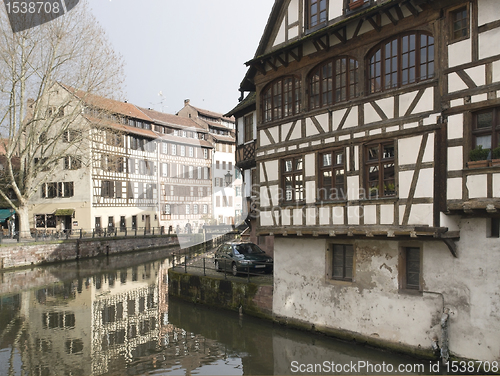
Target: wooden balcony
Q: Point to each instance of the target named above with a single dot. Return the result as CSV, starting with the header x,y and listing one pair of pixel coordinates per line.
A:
x,y
245,155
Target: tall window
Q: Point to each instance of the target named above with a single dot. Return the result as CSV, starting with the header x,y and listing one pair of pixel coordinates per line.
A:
x,y
486,129
342,262
331,175
412,268
459,25
334,81
317,12
293,179
248,128
379,166
401,61
281,99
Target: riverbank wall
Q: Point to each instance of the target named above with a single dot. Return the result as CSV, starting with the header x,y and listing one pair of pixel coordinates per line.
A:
x,y
26,254
247,298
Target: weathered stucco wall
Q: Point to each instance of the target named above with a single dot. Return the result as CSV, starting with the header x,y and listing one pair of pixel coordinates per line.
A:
x,y
374,306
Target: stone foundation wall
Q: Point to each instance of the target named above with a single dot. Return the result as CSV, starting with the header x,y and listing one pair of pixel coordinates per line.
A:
x,y
20,255
254,300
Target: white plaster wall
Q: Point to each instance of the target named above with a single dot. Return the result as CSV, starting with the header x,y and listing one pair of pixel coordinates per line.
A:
x,y
298,217
454,189
296,133
335,9
263,139
455,126
488,43
421,214
324,216
310,192
272,170
353,187
405,178
386,214
426,103
477,186
496,185
311,216
370,214
310,165
487,11
280,37
425,183
372,304
264,197
353,215
496,71
455,158
285,128
293,11
459,53
266,218
455,83
275,132
286,219
338,215
408,149
477,74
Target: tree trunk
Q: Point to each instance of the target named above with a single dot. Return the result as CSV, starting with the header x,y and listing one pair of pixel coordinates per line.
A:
x,y
24,221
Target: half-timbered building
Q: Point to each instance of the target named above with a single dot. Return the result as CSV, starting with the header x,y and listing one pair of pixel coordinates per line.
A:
x,y
369,115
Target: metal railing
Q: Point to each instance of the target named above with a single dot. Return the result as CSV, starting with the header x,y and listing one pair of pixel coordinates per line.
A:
x,y
46,235
194,260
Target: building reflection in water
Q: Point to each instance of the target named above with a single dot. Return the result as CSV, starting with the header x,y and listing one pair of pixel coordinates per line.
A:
x,y
119,321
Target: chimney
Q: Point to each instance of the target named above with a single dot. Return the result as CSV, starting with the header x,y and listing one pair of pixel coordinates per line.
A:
x,y
186,102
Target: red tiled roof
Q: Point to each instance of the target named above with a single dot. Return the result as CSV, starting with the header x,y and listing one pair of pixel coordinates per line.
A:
x,y
169,119
111,105
223,138
121,127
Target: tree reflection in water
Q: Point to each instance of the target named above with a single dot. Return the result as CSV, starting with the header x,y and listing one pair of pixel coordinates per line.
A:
x,y
116,319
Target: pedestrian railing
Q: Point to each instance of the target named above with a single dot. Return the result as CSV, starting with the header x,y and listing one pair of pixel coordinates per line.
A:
x,y
47,235
194,260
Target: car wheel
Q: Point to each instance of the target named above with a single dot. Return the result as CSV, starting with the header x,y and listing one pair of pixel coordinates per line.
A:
x,y
217,266
234,269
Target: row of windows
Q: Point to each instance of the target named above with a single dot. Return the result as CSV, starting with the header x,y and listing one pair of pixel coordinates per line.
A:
x,y
180,191
223,164
185,209
225,202
400,61
115,189
342,265
379,174
57,189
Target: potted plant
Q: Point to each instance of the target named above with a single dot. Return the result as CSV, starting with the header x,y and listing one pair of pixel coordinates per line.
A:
x,y
495,157
353,4
478,157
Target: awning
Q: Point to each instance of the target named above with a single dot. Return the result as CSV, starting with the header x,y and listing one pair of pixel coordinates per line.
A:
x,y
5,213
64,212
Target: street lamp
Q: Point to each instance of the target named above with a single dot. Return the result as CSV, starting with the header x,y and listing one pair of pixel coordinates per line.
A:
x,y
228,178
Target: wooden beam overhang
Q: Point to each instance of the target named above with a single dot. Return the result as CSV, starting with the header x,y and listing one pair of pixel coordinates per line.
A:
x,y
371,14
476,207
371,232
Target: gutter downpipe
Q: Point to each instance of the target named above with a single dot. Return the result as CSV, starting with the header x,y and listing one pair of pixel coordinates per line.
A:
x,y
445,316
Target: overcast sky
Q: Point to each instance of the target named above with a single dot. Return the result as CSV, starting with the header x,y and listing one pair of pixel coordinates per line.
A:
x,y
184,49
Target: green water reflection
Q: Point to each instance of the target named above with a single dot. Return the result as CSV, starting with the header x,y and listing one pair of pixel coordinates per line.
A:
x,y
113,317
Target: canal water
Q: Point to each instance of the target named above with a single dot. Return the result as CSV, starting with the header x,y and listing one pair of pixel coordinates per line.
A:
x,y
113,317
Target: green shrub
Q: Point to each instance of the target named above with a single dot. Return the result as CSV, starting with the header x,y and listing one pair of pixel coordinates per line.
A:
x,y
495,153
479,154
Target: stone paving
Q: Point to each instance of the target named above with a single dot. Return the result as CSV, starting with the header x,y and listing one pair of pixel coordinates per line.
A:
x,y
195,267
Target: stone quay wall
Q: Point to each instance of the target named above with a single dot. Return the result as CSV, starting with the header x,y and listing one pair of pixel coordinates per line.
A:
x,y
22,255
250,298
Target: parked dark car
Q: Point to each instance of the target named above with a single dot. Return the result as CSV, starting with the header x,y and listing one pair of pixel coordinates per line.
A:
x,y
242,257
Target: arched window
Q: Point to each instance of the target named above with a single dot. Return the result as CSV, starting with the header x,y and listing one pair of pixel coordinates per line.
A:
x,y
334,81
403,60
281,99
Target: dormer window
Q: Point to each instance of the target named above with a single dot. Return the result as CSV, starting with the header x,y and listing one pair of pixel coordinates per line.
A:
x,y
317,12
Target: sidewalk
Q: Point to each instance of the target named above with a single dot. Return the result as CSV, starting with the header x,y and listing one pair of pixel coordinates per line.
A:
x,y
195,267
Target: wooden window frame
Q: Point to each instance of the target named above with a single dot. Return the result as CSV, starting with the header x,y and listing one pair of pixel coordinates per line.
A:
x,y
294,173
450,15
346,266
320,13
279,100
406,268
493,131
377,56
379,162
248,128
318,79
333,168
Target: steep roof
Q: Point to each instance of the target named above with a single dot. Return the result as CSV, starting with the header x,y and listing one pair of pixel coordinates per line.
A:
x,y
212,114
111,105
249,101
169,119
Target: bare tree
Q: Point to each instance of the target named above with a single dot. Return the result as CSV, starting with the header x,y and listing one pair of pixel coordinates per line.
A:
x,y
46,75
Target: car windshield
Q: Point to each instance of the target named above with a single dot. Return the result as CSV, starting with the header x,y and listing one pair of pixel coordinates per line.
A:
x,y
247,249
